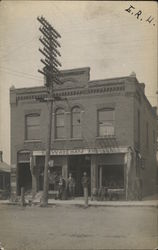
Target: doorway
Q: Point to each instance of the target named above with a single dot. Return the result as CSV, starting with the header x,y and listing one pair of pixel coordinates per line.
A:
x,y
78,164
25,178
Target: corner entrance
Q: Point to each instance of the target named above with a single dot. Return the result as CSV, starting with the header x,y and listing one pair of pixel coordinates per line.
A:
x,y
24,177
78,164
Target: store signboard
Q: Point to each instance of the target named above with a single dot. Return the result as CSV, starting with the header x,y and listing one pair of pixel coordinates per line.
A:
x,y
81,151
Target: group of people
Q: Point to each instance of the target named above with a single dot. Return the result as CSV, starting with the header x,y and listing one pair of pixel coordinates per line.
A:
x,y
66,189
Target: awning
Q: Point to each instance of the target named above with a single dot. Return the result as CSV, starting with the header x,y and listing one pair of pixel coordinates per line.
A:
x,y
4,167
84,151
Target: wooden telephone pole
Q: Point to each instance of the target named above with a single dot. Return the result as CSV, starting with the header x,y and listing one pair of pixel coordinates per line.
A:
x,y
51,73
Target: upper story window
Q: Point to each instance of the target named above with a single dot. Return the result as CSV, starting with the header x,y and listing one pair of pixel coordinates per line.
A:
x,y
60,123
106,119
32,123
76,122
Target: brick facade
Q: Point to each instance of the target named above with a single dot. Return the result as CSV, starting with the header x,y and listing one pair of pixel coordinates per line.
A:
x,y
124,95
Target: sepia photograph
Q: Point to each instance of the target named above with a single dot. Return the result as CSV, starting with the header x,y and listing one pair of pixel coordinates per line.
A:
x,y
78,125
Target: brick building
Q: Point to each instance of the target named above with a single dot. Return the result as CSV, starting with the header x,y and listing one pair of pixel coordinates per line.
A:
x,y
104,127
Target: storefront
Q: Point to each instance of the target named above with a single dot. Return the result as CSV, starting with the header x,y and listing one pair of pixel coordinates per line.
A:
x,y
61,165
111,170
106,169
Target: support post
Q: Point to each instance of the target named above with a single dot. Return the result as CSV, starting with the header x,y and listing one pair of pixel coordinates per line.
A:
x,y
85,196
33,169
100,177
47,157
93,175
65,168
127,161
51,73
22,197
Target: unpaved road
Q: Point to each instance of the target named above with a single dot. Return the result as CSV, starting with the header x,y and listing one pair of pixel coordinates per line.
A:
x,y
72,227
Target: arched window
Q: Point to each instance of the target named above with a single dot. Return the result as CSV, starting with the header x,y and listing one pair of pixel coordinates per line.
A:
x,y
76,122
32,127
106,119
59,123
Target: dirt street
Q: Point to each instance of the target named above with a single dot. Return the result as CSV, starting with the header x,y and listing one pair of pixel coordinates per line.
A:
x,y
73,227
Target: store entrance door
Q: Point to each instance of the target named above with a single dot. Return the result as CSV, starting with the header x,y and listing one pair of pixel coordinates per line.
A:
x,y
78,164
25,178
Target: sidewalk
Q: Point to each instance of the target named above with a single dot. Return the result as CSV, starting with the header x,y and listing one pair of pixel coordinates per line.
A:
x,y
80,202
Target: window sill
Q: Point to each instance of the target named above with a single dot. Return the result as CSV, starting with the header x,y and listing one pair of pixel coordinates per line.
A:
x,y
69,139
76,139
106,137
31,141
60,139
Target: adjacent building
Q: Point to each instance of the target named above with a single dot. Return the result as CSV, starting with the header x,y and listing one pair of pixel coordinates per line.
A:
x,y
4,178
106,128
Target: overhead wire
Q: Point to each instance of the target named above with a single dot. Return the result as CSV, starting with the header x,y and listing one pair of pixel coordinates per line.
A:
x,y
18,47
121,42
21,74
15,71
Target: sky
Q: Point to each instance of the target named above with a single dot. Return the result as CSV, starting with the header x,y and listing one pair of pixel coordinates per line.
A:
x,y
101,35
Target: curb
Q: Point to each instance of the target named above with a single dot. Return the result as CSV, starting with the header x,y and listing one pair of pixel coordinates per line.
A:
x,y
37,203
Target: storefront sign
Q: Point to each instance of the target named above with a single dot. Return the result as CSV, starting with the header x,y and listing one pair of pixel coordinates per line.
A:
x,y
82,151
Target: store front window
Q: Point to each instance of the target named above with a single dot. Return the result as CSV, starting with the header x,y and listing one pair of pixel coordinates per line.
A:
x,y
111,176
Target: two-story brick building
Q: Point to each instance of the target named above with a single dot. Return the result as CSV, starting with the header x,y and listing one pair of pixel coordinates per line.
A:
x,y
104,127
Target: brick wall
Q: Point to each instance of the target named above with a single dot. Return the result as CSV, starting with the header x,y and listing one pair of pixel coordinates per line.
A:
x,y
124,94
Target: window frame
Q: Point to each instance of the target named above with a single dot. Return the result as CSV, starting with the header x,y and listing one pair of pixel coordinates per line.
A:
x,y
27,126
113,122
60,126
74,125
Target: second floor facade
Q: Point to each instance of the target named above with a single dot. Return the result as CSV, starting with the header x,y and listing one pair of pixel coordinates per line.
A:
x,y
86,114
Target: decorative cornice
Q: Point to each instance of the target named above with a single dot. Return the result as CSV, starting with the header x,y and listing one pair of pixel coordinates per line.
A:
x,y
95,90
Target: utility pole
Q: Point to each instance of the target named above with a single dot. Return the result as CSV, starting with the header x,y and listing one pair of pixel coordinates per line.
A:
x,y
51,74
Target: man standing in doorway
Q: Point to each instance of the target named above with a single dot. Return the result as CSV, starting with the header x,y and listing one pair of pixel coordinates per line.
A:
x,y
71,186
85,184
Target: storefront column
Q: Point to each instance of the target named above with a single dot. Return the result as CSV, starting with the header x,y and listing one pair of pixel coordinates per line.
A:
x,y
100,176
93,173
33,174
65,167
128,161
13,182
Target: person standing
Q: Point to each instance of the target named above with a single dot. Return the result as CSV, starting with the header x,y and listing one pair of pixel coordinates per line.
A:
x,y
61,187
85,184
71,186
